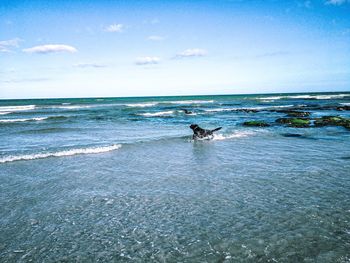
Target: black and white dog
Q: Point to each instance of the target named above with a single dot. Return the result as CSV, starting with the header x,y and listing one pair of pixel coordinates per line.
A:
x,y
199,133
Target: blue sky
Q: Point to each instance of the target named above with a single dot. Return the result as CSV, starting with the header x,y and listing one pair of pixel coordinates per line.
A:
x,y
144,48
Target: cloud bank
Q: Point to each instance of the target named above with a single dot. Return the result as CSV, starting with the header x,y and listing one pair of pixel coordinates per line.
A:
x,y
336,2
7,45
89,65
192,52
114,28
147,60
46,49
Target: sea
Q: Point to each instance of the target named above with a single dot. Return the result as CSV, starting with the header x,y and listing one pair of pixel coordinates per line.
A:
x,y
122,180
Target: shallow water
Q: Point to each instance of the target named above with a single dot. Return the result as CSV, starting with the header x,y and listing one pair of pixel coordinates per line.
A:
x,y
120,180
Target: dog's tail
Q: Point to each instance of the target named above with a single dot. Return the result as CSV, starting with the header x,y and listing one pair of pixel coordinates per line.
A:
x,y
216,129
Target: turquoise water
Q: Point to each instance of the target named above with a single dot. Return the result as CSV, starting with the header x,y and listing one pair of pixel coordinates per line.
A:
x,y
120,180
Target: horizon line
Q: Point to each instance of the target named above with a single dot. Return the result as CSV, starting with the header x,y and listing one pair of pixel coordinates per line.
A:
x,y
192,95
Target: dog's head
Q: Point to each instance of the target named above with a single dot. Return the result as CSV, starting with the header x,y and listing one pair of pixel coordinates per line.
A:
x,y
194,126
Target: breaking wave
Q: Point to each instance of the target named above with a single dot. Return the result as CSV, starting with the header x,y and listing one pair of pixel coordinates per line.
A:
x,y
316,97
72,107
23,120
57,117
248,108
156,114
148,104
9,109
238,134
189,101
91,150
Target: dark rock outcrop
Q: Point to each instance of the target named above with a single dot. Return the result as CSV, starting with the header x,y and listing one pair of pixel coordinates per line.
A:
x,y
298,114
332,121
256,124
343,108
295,122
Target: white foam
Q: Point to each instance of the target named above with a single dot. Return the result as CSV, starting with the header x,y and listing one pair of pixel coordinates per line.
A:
x,y
91,150
220,109
271,98
345,103
306,96
240,134
4,112
189,101
248,108
23,120
148,104
281,106
16,108
321,97
160,113
73,107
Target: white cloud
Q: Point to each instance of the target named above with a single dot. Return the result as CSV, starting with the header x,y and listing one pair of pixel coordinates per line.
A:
x,y
6,45
155,38
147,60
192,52
45,49
25,80
89,65
336,2
114,28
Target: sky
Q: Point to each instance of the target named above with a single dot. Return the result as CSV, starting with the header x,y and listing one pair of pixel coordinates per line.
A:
x,y
57,49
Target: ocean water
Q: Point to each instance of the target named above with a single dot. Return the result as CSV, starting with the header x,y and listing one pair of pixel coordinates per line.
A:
x,y
121,180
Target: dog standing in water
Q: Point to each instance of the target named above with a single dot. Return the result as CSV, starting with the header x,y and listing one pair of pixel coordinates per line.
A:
x,y
199,133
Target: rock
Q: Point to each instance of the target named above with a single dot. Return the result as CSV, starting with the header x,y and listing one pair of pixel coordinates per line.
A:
x,y
295,122
33,222
343,108
248,110
256,124
291,135
332,121
298,114
186,111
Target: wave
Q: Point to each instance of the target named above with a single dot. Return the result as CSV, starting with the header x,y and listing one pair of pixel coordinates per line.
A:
x,y
183,102
271,98
155,114
248,108
188,101
23,120
72,107
345,103
147,104
33,119
240,134
91,150
220,109
10,109
49,130
4,112
316,97
321,97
